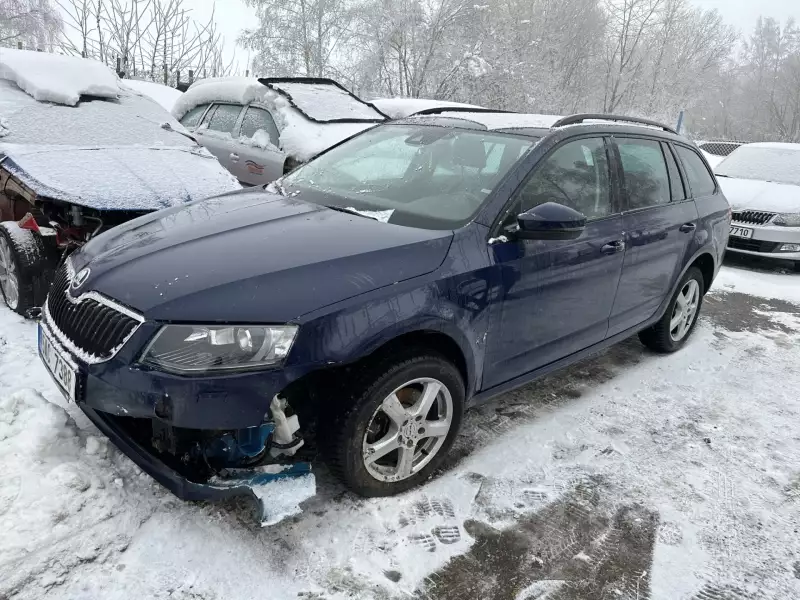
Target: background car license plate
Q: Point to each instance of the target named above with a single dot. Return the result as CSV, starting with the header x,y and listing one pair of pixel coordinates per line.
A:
x,y
61,369
741,231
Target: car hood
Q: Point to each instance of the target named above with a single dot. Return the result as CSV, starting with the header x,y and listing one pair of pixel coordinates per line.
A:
x,y
252,257
121,177
766,196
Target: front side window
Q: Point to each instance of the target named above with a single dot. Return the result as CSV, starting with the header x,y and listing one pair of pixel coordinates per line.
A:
x,y
257,119
192,118
701,183
645,172
416,175
224,117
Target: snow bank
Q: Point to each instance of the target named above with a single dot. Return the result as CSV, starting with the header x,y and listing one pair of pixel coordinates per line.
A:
x,y
56,78
398,108
299,137
164,95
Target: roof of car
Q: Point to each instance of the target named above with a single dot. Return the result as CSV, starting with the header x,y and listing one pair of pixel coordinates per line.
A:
x,y
536,125
775,146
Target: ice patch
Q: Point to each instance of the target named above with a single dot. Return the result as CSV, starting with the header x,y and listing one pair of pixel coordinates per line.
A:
x,y
379,215
56,78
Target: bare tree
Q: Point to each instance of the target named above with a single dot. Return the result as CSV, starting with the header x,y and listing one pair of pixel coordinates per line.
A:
x,y
34,23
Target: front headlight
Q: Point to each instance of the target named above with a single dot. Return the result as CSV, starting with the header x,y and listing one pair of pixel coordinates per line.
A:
x,y
194,349
787,220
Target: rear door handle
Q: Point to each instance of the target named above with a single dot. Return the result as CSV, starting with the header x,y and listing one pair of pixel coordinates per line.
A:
x,y
234,156
613,247
688,227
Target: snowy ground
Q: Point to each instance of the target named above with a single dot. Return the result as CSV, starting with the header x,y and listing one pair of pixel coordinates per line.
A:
x,y
629,475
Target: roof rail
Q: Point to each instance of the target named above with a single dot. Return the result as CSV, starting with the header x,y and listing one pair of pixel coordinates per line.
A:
x,y
437,110
580,118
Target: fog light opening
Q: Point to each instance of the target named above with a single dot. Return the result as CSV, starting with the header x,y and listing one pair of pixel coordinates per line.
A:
x,y
789,248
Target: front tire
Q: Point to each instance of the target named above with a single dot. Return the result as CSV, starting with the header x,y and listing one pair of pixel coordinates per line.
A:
x,y
399,425
680,318
24,267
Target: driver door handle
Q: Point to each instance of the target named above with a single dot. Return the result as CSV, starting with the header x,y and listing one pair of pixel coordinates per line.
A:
x,y
234,157
613,247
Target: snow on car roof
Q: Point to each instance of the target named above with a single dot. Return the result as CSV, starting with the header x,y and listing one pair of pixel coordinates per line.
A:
x,y
398,108
164,95
501,120
324,100
56,78
299,137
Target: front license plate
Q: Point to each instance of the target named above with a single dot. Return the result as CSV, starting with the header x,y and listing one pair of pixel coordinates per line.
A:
x,y
58,363
741,231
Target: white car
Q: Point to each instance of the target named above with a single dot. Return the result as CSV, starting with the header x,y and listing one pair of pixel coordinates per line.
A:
x,y
762,184
261,128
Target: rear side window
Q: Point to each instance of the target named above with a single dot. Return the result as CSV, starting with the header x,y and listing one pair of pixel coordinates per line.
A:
x,y
645,172
258,119
224,117
701,181
192,118
675,181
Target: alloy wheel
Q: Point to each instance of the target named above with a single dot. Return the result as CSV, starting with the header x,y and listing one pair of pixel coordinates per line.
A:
x,y
684,311
9,281
407,430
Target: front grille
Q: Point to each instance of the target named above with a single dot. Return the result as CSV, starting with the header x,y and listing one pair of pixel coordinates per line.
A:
x,y
752,245
752,217
92,325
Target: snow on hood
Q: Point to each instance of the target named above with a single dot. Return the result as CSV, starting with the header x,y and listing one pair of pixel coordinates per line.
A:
x,y
299,137
56,78
399,108
164,95
119,178
761,195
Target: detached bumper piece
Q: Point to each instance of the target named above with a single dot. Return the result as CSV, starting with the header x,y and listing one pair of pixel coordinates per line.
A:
x,y
199,465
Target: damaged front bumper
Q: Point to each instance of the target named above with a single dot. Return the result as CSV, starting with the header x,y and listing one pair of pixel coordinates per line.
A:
x,y
274,502
203,439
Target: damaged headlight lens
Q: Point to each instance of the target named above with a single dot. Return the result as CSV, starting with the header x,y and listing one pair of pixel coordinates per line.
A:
x,y
787,220
194,349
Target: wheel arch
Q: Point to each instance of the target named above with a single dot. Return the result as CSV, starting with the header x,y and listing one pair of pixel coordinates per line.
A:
x,y
704,262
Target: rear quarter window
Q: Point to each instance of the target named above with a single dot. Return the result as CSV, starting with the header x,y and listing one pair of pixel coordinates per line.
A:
x,y
700,180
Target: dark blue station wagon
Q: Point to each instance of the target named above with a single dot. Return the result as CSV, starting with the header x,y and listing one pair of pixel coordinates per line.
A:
x,y
355,308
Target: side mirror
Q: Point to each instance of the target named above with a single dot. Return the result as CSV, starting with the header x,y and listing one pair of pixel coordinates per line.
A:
x,y
550,221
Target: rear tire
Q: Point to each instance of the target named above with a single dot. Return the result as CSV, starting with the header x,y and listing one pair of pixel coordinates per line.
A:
x,y
680,318
26,268
361,428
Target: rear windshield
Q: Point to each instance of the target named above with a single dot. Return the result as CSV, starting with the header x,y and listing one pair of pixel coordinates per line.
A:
x,y
420,176
777,164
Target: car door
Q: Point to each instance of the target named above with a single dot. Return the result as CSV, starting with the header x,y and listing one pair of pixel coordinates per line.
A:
x,y
260,160
660,220
555,296
215,132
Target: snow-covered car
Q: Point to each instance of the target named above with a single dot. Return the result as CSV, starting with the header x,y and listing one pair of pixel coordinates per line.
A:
x,y
80,154
400,108
163,94
762,184
260,129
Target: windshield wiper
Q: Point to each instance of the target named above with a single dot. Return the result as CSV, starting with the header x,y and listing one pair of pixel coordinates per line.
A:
x,y
350,211
168,127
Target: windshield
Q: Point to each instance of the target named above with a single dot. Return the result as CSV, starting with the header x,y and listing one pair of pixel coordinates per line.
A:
x,y
419,176
131,120
774,163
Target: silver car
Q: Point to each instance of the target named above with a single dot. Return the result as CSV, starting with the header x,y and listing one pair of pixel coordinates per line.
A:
x,y
762,184
261,128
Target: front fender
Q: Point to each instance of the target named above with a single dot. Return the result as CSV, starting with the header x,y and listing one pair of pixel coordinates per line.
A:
x,y
356,330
